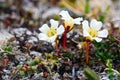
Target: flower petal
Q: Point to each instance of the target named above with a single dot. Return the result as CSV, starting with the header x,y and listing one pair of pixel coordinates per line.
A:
x,y
77,20
54,23
65,15
95,24
98,39
43,36
103,33
85,33
85,25
44,28
52,39
60,30
53,44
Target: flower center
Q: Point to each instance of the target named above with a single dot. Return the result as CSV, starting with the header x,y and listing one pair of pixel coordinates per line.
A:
x,y
70,23
93,32
51,32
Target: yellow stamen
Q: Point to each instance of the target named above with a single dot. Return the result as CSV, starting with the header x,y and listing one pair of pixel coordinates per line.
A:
x,y
93,32
51,32
69,23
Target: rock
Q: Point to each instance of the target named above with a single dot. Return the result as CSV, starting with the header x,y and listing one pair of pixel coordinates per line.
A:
x,y
32,39
21,58
43,47
35,53
50,12
6,71
21,31
4,36
56,76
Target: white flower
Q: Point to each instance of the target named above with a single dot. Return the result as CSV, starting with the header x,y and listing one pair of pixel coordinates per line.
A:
x,y
69,21
50,34
92,31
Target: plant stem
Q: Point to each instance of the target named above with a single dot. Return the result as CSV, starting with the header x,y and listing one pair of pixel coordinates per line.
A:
x,y
87,51
56,45
114,71
64,40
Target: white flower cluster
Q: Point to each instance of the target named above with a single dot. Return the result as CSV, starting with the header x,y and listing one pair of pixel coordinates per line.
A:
x,y
91,31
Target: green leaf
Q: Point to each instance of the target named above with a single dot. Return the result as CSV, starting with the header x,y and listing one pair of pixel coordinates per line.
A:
x,y
1,54
32,63
102,18
8,49
109,64
111,38
72,1
101,56
19,66
108,8
80,39
118,77
56,17
90,74
68,55
102,50
111,75
3,47
23,73
87,7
